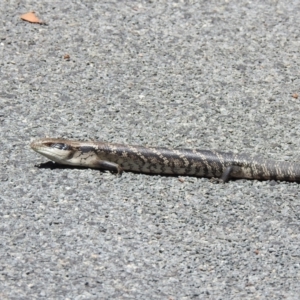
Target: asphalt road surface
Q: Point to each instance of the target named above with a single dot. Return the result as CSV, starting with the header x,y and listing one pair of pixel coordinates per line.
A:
x,y
196,74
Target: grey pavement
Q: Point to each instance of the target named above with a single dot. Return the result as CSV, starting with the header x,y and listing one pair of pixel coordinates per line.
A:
x,y
196,74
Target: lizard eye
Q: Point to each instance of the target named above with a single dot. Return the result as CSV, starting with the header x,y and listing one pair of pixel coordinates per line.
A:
x,y
60,146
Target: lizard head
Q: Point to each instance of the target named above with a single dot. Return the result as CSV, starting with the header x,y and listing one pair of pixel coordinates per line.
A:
x,y
67,152
58,150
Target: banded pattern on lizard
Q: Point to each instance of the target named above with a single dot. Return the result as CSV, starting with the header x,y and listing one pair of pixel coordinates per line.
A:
x,y
155,160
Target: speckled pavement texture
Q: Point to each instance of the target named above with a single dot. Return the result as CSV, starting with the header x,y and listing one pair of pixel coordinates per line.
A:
x,y
203,74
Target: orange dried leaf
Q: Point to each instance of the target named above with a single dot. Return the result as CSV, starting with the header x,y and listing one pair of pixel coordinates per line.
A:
x,y
31,17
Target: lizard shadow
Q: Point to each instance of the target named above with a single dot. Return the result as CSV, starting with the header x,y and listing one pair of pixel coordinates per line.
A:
x,y
53,166
56,166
